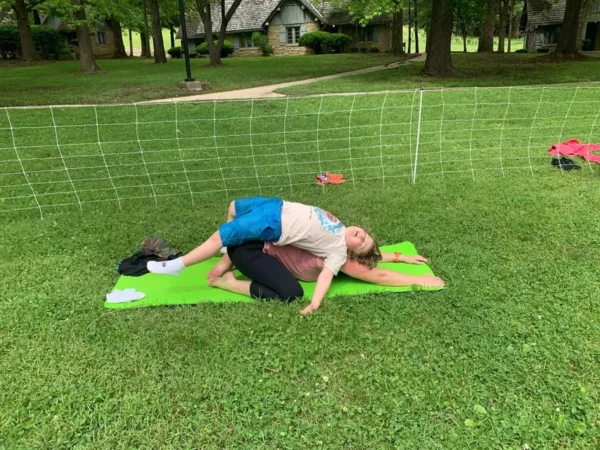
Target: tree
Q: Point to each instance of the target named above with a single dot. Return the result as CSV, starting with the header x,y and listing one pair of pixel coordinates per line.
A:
x,y
205,11
468,15
503,12
119,51
88,64
486,36
569,41
439,38
398,33
145,33
21,10
159,47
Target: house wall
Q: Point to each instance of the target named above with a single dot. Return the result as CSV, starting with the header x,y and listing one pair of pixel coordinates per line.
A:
x,y
241,51
292,14
103,50
383,42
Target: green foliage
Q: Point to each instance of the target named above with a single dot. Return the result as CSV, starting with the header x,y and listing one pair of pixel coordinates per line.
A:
x,y
321,41
543,50
262,42
374,50
47,41
226,50
364,49
521,50
175,52
10,43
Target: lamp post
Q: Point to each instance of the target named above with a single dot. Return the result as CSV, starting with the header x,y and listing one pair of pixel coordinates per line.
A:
x,y
186,53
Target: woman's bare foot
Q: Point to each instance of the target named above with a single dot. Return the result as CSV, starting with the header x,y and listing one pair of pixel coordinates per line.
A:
x,y
225,281
220,268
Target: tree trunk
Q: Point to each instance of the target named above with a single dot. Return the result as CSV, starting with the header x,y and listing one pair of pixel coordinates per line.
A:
x,y
585,9
28,53
464,36
510,24
144,42
439,60
416,15
568,41
214,50
398,33
146,35
37,20
486,39
206,17
172,32
88,64
119,51
502,30
409,26
130,43
159,46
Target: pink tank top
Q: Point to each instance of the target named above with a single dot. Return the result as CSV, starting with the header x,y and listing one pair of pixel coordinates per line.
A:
x,y
302,264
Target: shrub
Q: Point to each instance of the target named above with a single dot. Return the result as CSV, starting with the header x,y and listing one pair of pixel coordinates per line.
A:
x,y
226,50
586,45
521,50
47,41
363,50
315,40
9,41
321,41
262,42
338,41
193,54
175,52
354,49
543,50
374,50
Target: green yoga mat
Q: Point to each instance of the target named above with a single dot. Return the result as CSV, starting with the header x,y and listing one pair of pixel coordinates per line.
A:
x,y
191,287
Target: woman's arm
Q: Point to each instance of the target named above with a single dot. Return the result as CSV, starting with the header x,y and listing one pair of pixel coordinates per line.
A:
x,y
391,257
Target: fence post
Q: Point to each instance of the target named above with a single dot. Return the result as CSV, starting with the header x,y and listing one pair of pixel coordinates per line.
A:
x,y
418,135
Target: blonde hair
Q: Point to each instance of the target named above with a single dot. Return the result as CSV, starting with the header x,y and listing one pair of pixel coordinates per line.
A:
x,y
369,259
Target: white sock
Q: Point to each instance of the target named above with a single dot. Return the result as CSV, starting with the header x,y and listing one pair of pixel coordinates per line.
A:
x,y
173,267
223,250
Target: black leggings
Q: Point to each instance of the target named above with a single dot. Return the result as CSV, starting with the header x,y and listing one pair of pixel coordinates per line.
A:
x,y
270,278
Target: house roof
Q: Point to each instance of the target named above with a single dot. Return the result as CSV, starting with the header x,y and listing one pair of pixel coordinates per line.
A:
x,y
544,13
252,15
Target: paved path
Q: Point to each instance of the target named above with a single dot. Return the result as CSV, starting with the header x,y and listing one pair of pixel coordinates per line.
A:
x,y
269,91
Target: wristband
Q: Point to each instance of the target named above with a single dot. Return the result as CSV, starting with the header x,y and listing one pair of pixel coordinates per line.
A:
x,y
396,257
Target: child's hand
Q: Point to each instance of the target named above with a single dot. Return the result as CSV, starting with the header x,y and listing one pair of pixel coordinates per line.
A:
x,y
414,259
309,310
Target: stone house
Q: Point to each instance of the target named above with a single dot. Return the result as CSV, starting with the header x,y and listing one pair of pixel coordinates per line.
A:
x,y
284,21
542,27
101,35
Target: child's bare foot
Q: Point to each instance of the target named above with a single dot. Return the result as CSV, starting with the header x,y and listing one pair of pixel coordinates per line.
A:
x,y
220,268
223,282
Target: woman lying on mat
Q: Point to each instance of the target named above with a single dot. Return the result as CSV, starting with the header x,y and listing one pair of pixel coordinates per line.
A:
x,y
284,223
275,271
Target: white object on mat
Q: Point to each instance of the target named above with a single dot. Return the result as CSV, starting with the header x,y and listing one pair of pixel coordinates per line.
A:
x,y
124,296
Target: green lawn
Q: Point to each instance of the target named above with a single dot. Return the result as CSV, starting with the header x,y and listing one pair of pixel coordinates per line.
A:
x,y
476,70
505,357
137,79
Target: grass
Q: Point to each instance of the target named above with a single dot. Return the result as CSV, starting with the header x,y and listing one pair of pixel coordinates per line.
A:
x,y
137,41
505,357
137,79
476,69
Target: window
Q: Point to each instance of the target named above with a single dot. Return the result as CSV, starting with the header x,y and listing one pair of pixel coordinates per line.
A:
x,y
246,41
101,38
293,35
368,34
